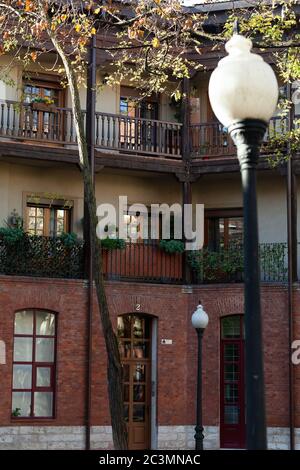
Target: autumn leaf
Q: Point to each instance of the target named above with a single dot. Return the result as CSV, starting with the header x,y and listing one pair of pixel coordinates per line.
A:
x,y
33,56
155,43
77,27
93,31
28,5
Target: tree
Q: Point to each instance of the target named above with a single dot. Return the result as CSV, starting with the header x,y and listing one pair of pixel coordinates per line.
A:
x,y
153,40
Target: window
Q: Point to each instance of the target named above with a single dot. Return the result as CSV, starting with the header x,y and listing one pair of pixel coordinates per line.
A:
x,y
42,122
48,218
223,228
32,92
34,364
137,132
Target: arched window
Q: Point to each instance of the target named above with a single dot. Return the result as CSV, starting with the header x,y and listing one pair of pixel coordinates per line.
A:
x,y
34,364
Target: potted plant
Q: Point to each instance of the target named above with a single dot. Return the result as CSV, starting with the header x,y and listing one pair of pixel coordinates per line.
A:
x,y
43,104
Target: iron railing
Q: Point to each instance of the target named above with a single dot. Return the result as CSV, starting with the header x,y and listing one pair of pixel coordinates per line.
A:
x,y
227,264
141,261
42,257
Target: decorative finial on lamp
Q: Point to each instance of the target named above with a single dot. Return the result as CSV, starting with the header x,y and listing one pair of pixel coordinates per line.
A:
x,y
236,27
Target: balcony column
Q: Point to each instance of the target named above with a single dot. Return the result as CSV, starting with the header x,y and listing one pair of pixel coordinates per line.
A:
x,y
186,156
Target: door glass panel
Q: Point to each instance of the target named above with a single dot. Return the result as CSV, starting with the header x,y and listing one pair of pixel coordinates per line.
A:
x,y
231,327
231,372
22,375
125,349
126,373
21,402
138,414
43,403
141,328
124,327
231,352
126,392
139,393
43,376
126,413
139,373
231,393
23,349
140,350
24,323
44,351
231,414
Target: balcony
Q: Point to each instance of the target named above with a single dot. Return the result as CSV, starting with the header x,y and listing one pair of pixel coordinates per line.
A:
x,y
139,262
40,123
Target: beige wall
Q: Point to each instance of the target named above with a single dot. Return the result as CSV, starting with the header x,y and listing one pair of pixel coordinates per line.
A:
x,y
224,191
214,191
18,181
107,100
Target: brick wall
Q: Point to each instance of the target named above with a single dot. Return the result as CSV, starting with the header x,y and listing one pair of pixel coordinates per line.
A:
x,y
176,363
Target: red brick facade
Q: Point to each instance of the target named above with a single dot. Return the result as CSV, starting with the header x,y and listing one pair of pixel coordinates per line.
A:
x,y
173,306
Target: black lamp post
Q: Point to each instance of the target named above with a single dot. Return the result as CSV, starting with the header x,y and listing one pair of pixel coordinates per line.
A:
x,y
199,322
243,93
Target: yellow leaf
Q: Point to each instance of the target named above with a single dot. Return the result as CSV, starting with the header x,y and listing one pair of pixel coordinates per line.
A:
x,y
155,43
33,56
93,31
96,11
77,27
28,5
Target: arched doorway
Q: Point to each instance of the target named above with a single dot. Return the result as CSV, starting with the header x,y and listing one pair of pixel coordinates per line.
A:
x,y
134,333
232,419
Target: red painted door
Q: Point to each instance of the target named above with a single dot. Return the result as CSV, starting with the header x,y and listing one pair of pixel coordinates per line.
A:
x,y
232,428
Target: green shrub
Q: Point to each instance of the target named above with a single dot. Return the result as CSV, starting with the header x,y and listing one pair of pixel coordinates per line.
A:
x,y
171,246
69,239
12,235
112,244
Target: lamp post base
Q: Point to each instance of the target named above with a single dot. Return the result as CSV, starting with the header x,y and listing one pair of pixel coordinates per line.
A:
x,y
199,436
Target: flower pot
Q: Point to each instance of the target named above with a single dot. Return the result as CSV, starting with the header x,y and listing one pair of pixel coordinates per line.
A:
x,y
48,108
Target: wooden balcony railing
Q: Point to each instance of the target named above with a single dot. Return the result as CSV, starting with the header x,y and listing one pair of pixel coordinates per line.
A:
x,y
211,140
41,123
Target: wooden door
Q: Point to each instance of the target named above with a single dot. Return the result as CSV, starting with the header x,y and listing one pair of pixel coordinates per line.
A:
x,y
135,347
233,428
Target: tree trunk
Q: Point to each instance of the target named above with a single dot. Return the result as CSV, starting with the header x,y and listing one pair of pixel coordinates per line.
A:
x,y
114,368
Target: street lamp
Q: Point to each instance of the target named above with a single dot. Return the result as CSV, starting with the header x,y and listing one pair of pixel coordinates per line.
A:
x,y
199,322
243,92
